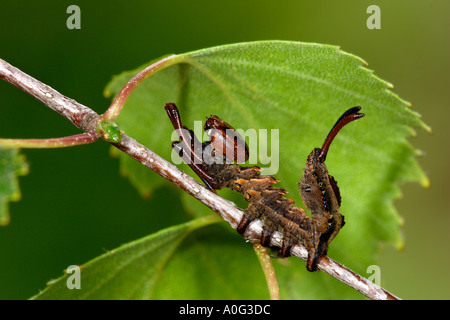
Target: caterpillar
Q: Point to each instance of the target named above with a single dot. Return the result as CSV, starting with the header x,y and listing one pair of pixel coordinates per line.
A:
x,y
214,162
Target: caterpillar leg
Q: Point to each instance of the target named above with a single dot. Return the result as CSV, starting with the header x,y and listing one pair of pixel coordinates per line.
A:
x,y
243,224
266,236
311,263
208,180
286,248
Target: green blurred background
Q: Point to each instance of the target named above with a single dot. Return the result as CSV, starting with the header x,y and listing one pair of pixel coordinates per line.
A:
x,y
65,215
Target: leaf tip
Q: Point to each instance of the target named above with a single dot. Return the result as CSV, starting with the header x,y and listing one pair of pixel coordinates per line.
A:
x,y
5,220
401,246
427,128
425,182
107,93
51,281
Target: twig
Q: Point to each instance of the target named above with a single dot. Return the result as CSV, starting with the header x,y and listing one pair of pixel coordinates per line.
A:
x,y
119,101
70,141
81,116
86,119
269,271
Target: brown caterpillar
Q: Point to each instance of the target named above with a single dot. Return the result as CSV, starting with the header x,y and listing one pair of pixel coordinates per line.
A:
x,y
213,161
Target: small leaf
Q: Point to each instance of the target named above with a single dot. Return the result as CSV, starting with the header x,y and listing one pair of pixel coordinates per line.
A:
x,y
12,165
298,89
109,131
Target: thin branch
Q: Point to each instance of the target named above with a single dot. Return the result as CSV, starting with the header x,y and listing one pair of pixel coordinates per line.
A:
x,y
119,101
70,141
85,119
80,115
269,271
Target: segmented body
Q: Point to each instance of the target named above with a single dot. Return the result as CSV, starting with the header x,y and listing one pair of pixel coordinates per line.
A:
x,y
267,203
318,189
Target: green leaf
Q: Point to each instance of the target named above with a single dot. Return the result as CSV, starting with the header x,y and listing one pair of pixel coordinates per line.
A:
x,y
299,89
134,270
12,165
109,131
170,264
